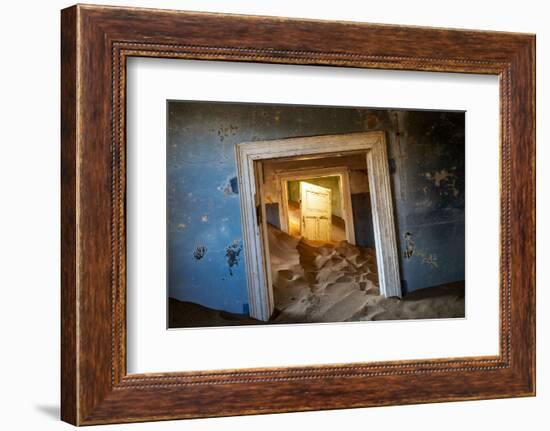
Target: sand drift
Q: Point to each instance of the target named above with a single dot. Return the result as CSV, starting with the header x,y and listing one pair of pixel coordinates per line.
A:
x,y
338,282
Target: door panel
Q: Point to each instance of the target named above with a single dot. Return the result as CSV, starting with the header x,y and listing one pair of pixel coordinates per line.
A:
x,y
310,227
316,211
323,229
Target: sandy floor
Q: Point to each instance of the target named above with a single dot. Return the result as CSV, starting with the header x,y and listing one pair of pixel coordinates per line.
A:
x,y
183,314
338,282
327,283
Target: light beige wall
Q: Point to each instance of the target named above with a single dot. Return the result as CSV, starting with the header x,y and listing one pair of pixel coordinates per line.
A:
x,y
356,162
332,183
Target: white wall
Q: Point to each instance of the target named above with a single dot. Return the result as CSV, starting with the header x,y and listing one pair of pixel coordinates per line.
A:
x,y
29,227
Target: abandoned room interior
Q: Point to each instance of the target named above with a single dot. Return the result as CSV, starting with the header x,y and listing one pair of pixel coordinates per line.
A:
x,y
284,214
321,254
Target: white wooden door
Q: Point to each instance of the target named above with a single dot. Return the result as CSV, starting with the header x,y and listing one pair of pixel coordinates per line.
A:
x,y
316,211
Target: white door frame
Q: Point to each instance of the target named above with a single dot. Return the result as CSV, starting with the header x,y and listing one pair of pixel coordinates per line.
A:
x,y
342,172
260,288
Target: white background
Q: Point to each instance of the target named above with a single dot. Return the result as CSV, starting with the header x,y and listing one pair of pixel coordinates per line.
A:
x,y
151,348
29,227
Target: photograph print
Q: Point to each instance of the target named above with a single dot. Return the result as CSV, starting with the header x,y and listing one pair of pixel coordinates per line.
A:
x,y
294,214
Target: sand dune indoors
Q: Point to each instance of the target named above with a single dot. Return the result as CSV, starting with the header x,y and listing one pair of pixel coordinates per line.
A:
x,y
338,282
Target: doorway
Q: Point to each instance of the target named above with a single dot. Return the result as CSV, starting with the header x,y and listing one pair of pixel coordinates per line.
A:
x,y
336,179
315,223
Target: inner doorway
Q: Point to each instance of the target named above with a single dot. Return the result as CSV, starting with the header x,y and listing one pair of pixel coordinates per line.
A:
x,y
316,273
294,186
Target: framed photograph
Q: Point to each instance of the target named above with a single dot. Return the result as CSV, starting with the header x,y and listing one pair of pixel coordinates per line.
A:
x,y
266,215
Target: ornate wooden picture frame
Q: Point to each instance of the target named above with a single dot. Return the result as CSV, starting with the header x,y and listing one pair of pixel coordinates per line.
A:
x,y
96,41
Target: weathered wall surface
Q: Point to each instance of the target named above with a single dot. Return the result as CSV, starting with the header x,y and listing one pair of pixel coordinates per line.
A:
x,y
205,258
427,149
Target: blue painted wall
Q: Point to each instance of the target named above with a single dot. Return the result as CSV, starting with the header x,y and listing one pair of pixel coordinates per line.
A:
x,y
427,153
205,257
362,219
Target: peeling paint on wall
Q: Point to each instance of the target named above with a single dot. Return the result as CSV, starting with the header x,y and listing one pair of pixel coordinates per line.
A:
x,y
428,259
411,251
225,132
444,180
409,246
232,252
199,252
230,186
